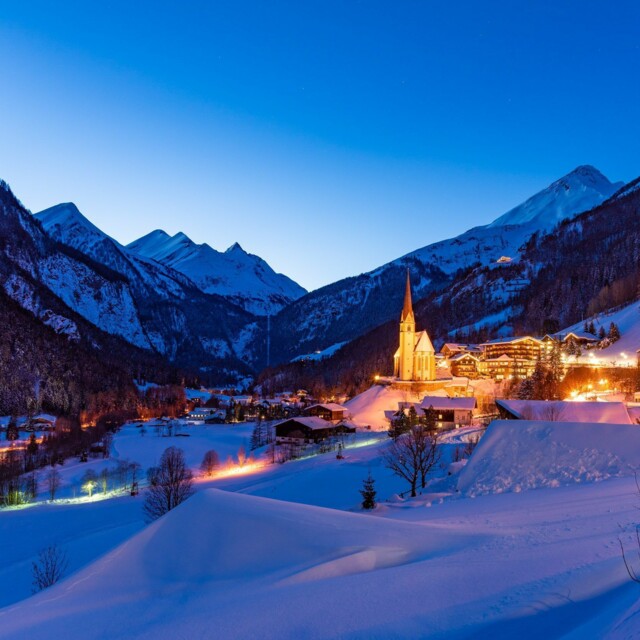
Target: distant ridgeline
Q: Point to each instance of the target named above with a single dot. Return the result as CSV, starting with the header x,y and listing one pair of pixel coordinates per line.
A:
x,y
584,265
540,267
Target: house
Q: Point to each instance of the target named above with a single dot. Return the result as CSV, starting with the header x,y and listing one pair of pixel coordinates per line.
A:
x,y
200,415
450,349
464,365
450,412
327,411
305,430
41,422
216,417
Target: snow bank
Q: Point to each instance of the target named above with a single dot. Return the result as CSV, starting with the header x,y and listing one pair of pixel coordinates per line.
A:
x,y
519,455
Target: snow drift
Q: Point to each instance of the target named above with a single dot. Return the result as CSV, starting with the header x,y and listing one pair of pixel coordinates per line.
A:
x,y
171,580
517,455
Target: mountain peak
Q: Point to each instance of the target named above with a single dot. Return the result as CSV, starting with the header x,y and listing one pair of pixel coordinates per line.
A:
x,y
235,247
65,219
579,190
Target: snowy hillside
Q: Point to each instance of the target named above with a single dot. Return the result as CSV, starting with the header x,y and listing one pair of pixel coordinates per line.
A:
x,y
622,351
244,278
457,569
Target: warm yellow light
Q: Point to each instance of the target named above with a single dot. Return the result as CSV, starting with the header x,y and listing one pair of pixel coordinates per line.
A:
x,y
377,377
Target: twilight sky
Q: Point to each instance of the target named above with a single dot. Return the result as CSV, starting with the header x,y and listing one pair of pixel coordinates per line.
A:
x,y
328,137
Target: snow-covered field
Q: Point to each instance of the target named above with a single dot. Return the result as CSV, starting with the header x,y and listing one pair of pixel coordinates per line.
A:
x,y
237,563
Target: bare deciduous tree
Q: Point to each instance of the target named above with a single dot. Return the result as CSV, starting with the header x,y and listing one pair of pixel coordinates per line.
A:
x,y
412,455
53,480
169,484
210,463
50,566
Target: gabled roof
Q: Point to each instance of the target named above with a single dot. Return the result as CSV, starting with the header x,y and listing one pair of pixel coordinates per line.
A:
x,y
423,343
311,422
329,406
509,340
447,404
461,356
560,411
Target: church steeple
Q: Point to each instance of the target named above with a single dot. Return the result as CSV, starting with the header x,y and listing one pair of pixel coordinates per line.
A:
x,y
407,309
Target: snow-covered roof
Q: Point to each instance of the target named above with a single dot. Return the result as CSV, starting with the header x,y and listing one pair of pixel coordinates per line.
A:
x,y
461,356
453,346
447,404
311,422
423,343
509,340
560,411
329,406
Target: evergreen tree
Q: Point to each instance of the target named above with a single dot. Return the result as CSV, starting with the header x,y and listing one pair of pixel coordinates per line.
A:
x,y
525,390
12,429
412,417
614,332
538,381
430,418
555,373
368,492
256,437
32,447
602,334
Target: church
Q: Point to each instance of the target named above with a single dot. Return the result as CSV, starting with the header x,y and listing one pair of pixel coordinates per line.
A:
x,y
415,359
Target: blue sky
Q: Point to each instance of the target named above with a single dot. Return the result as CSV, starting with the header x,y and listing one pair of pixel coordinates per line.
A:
x,y
312,132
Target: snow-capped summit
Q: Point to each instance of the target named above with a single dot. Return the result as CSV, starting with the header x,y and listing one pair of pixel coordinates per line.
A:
x,y
582,189
244,278
235,247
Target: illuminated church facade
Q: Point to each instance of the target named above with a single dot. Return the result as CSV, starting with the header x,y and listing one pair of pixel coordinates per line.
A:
x,y
415,359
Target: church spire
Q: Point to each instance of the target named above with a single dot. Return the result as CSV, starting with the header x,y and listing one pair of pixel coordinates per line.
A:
x,y
407,309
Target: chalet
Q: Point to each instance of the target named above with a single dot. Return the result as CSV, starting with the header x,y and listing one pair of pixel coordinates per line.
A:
x,y
216,417
327,411
451,349
42,422
200,414
582,338
464,365
450,412
307,430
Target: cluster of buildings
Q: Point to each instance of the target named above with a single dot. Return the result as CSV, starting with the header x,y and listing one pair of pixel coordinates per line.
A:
x,y
508,358
503,358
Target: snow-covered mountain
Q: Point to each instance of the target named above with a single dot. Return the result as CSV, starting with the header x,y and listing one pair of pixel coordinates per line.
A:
x,y
65,224
346,309
245,279
581,190
60,267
